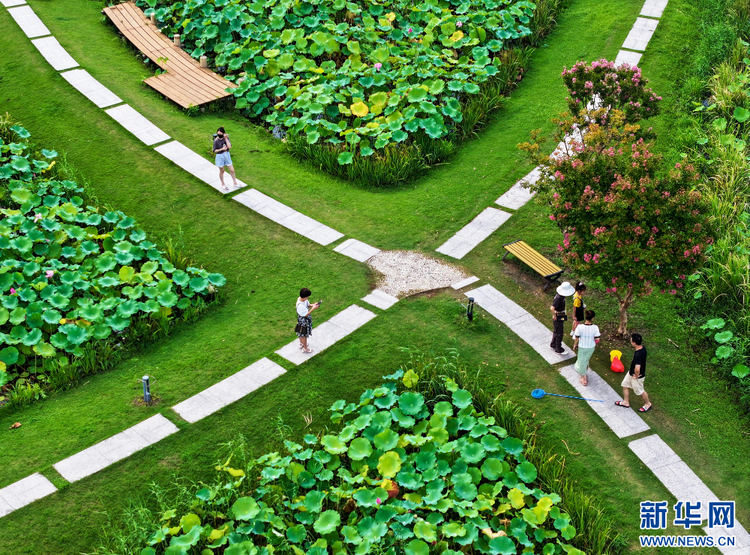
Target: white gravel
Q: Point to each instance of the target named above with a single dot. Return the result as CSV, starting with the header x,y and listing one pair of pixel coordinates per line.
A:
x,y
405,273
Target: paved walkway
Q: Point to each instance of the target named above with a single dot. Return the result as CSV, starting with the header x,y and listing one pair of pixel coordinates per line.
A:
x,y
229,390
520,322
357,250
116,448
473,233
641,33
327,333
21,493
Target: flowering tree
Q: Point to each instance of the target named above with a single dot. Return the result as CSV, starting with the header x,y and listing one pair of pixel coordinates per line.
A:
x,y
626,222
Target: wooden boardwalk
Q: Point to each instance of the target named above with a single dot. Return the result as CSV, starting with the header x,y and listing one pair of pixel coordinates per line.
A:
x,y
184,82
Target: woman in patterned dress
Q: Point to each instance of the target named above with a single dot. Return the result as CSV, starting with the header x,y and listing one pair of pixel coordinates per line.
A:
x,y
587,334
304,318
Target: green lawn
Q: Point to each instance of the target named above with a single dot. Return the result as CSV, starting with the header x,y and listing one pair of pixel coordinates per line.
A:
x,y
265,266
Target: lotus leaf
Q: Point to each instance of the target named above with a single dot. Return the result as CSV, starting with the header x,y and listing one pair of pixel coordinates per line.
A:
x,y
386,440
526,471
359,449
327,522
9,356
417,547
389,464
198,284
411,403
461,398
333,445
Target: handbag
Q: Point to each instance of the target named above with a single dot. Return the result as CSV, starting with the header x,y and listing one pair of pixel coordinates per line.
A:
x,y
562,317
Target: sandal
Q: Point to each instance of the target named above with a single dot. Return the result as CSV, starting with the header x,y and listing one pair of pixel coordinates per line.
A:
x,y
620,404
644,409
308,350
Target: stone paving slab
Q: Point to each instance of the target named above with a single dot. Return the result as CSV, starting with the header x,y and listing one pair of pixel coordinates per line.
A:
x,y
627,57
520,322
122,445
287,217
465,282
228,390
653,451
518,195
654,8
381,299
473,233
29,22
640,34
328,333
623,422
357,250
55,54
11,3
91,88
21,493
138,125
197,165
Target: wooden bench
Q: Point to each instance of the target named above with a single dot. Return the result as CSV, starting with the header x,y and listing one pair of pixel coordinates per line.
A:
x,y
550,271
185,81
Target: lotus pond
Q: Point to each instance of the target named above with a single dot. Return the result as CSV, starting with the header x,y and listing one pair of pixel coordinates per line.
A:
x,y
357,76
400,471
74,278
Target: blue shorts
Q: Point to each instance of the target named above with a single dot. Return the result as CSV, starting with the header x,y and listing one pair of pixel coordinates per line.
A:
x,y
223,159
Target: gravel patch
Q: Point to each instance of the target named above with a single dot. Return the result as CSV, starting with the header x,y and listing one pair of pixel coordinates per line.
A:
x,y
405,273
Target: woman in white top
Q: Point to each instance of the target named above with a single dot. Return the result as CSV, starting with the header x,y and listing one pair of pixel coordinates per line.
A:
x,y
586,338
304,320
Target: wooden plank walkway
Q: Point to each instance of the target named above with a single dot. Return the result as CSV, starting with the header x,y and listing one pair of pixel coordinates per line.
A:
x,y
185,82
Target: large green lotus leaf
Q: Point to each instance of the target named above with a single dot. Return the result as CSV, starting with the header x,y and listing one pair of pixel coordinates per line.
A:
x,y
417,94
411,402
473,452
91,313
185,541
18,315
314,501
403,420
492,469
117,323
526,471
168,299
105,262
371,530
327,522
417,547
425,531
359,449
351,535
59,340
462,398
107,281
389,464
245,508
4,315
296,534
89,247
22,244
20,164
126,273
34,320
491,443
386,440
198,284
502,546
333,445
149,267
75,334
217,279
6,280
101,331
452,530
128,308
9,356
512,445
31,268
386,400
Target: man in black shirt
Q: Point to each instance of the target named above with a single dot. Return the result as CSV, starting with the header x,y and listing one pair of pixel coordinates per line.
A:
x,y
559,316
635,378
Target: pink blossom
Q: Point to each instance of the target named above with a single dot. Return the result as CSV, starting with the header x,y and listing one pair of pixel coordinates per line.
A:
x,y
377,501
378,65
37,217
459,24
596,259
49,273
673,291
12,291
552,217
587,257
409,30
559,176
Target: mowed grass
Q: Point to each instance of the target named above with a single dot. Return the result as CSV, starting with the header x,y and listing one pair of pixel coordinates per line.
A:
x,y
71,520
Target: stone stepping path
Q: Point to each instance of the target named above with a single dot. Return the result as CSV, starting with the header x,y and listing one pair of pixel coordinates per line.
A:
x,y
473,233
29,22
627,57
380,299
640,34
139,126
229,390
520,322
99,456
55,54
654,8
685,485
21,493
328,333
623,422
287,217
518,195
357,250
91,88
465,283
197,165
11,3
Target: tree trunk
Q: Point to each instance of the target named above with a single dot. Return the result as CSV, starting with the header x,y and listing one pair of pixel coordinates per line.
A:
x,y
625,303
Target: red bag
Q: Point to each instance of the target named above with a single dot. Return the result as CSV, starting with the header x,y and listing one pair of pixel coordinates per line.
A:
x,y
617,365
